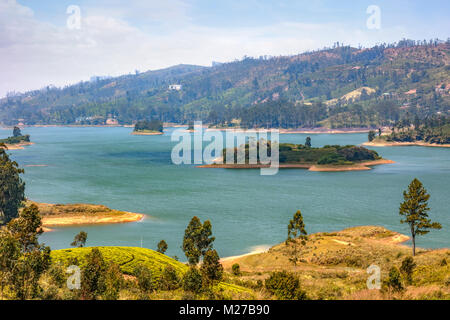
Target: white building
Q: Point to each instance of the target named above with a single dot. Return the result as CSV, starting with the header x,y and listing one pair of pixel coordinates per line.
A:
x,y
175,87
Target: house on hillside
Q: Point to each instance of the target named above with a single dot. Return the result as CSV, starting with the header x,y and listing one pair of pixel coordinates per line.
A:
x,y
175,87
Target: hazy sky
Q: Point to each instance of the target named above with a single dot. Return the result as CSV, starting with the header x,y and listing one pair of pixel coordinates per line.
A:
x,y
37,48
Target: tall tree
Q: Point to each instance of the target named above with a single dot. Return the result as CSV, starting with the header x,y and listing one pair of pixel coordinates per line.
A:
x,y
162,246
12,188
415,209
17,132
371,135
308,142
296,230
197,240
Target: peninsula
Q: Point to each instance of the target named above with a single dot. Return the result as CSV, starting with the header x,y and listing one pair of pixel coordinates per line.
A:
x,y
57,215
17,140
433,132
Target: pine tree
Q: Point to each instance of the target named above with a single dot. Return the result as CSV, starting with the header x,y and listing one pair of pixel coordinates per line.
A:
x,y
415,210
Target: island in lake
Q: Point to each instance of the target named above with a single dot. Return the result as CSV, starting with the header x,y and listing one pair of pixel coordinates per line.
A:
x,y
298,156
17,140
430,132
148,128
57,215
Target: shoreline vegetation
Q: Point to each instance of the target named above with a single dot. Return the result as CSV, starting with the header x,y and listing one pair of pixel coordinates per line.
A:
x,y
148,128
318,130
384,143
62,215
361,166
429,132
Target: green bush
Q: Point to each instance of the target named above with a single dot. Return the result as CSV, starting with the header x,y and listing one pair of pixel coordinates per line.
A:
x,y
192,280
285,286
145,279
169,279
236,269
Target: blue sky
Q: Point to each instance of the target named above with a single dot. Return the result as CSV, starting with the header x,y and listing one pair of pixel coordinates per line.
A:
x,y
118,37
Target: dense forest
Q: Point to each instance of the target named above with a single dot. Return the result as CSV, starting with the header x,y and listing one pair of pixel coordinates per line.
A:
x,y
333,87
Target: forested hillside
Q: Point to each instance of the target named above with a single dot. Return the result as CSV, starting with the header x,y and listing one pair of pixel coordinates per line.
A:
x,y
335,87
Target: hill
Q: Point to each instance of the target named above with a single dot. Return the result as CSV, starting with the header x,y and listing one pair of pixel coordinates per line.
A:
x,y
334,265
334,87
130,259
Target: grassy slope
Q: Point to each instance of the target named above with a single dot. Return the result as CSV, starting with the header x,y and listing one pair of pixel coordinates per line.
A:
x,y
333,265
130,258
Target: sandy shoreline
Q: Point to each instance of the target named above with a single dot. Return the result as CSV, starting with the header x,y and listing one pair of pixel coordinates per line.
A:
x,y
361,166
296,131
67,220
257,250
146,133
404,144
60,215
18,146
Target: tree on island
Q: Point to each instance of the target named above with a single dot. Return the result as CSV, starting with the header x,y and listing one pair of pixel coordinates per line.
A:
x,y
162,246
308,142
79,240
153,125
12,188
197,240
296,230
371,135
415,210
17,132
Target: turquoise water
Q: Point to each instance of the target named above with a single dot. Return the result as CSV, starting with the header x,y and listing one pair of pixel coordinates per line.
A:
x,y
134,173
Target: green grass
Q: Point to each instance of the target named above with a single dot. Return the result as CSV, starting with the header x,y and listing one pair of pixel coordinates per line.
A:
x,y
130,259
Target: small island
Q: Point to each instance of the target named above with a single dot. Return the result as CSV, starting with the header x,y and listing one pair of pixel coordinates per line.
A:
x,y
298,156
148,128
17,140
433,132
57,215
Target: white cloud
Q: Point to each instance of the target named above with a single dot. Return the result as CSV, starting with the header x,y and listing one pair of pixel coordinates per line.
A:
x,y
35,53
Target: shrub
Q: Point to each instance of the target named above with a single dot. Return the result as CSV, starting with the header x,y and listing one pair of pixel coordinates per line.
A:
x,y
192,280
407,268
211,268
113,282
169,279
145,279
394,280
236,269
285,286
